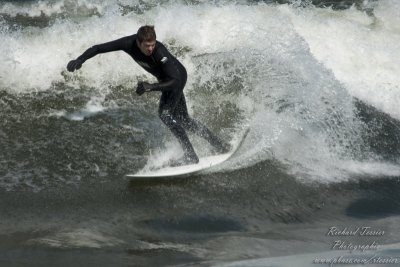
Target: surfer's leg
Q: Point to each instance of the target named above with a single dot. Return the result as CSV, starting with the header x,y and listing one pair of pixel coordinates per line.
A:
x,y
199,128
168,118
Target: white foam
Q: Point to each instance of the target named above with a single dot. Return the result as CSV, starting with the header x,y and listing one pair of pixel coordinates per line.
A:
x,y
50,8
93,107
78,238
371,168
362,51
161,157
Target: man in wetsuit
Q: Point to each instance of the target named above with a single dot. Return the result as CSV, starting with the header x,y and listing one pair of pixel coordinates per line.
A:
x,y
171,75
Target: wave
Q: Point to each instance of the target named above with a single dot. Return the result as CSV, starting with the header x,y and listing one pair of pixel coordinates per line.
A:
x,y
262,66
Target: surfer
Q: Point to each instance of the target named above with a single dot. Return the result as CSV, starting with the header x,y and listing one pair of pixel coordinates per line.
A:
x,y
153,56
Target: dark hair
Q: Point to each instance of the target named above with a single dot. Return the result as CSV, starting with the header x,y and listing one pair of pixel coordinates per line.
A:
x,y
146,33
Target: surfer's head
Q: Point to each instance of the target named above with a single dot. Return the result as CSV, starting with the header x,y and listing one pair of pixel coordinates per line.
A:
x,y
146,39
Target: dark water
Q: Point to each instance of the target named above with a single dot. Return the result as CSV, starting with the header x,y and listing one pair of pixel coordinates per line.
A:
x,y
322,151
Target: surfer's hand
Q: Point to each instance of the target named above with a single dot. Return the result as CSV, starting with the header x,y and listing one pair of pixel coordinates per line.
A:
x,y
73,65
143,87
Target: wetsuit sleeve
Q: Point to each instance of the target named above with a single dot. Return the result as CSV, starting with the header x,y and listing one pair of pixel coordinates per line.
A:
x,y
173,77
116,45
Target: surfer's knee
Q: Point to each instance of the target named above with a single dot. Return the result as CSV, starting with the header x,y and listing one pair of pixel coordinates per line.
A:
x,y
166,117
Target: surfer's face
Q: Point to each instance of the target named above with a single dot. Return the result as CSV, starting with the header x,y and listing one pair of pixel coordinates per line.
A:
x,y
147,47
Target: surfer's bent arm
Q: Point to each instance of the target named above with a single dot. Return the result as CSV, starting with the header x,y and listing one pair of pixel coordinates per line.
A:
x,y
173,75
163,86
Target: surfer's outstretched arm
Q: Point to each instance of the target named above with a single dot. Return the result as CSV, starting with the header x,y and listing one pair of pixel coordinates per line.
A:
x,y
116,45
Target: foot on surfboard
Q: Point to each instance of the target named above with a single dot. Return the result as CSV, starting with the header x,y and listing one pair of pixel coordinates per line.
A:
x,y
222,149
183,161
205,163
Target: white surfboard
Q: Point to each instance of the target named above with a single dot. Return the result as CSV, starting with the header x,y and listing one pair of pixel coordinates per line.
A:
x,y
204,163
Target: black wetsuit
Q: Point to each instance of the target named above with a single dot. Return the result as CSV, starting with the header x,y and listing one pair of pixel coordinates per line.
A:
x,y
172,76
